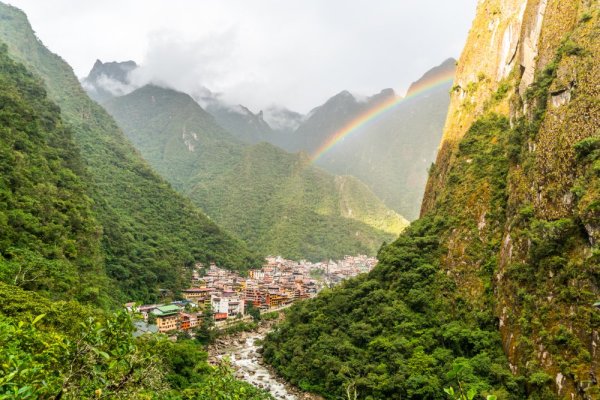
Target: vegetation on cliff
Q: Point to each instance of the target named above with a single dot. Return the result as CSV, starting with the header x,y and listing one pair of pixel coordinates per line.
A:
x,y
402,330
48,232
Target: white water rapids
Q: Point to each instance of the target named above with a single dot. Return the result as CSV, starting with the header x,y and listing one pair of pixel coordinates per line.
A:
x,y
246,361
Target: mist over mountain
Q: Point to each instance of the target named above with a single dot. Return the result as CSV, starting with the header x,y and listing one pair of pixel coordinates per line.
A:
x,y
110,79
241,122
390,154
282,120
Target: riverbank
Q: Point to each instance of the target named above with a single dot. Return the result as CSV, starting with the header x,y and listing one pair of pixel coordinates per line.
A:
x,y
245,358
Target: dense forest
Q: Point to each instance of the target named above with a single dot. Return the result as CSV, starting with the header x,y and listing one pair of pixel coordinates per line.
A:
x,y
403,331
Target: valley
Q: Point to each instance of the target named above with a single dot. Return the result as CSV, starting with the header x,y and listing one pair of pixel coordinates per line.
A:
x,y
249,210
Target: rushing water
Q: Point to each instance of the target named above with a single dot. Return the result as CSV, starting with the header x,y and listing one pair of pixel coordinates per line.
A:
x,y
246,360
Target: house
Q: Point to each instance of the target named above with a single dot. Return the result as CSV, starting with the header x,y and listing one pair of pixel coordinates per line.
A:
x,y
220,316
142,328
167,317
228,304
146,309
188,321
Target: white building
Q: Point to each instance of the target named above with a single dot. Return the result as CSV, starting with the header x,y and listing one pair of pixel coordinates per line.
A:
x,y
230,305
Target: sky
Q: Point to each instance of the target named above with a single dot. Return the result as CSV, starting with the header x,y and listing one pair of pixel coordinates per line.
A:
x,y
259,53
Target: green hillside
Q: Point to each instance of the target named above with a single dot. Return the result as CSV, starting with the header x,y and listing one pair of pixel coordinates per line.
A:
x,y
276,201
149,232
48,233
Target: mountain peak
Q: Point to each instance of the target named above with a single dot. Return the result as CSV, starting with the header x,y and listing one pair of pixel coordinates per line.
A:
x,y
384,95
116,70
343,94
440,72
109,79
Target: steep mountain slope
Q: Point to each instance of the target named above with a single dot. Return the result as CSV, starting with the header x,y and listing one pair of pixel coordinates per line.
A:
x,y
324,120
494,287
48,233
390,154
274,200
149,232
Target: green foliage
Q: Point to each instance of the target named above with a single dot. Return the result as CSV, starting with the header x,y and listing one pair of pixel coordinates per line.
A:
x,y
395,333
277,202
585,17
205,334
588,147
48,233
253,311
149,233
97,357
270,316
63,350
239,327
570,48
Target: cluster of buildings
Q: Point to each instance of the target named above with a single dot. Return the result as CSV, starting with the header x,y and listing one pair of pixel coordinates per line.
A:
x,y
278,284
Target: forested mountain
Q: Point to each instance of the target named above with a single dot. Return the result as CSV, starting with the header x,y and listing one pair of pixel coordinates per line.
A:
x,y
113,79
495,288
52,261
391,153
48,232
149,233
276,201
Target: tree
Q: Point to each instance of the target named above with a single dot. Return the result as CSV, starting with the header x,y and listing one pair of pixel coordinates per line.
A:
x,y
253,311
206,334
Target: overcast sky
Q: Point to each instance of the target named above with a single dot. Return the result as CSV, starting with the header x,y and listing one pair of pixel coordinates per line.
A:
x,y
263,52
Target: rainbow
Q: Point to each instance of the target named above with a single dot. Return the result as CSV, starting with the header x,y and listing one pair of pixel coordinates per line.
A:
x,y
376,112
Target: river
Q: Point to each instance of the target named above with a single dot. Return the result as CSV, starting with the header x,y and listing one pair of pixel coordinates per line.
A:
x,y
242,352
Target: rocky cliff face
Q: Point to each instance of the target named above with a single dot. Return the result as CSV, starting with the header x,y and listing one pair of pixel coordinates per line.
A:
x,y
518,169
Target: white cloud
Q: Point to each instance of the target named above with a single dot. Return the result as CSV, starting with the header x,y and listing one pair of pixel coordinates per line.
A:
x,y
260,52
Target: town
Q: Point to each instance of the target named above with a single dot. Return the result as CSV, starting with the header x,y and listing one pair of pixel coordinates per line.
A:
x,y
228,296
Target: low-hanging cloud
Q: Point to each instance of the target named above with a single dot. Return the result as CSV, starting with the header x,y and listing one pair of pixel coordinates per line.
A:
x,y
188,65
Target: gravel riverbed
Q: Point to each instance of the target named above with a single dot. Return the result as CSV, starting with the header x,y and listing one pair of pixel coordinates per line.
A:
x,y
244,356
